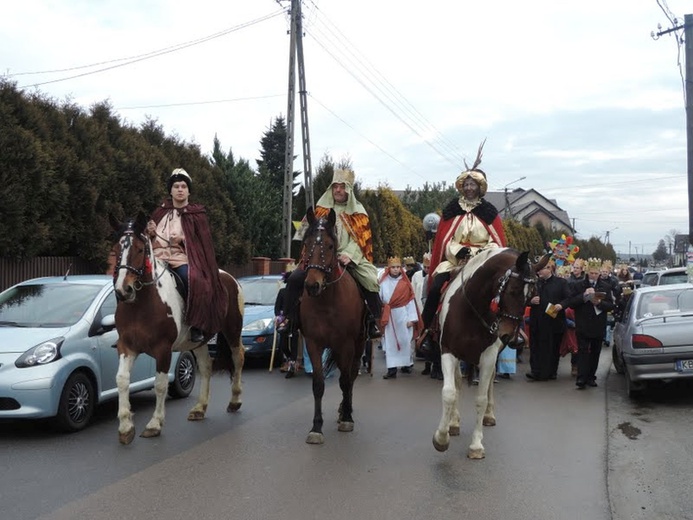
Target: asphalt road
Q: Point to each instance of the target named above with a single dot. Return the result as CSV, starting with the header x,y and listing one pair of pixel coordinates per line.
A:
x,y
556,453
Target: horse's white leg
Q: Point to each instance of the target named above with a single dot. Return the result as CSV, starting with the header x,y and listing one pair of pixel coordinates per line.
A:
x,y
204,369
454,428
238,356
126,428
153,428
486,371
441,437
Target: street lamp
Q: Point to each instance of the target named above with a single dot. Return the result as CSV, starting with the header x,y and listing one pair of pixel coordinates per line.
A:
x,y
430,225
608,233
507,201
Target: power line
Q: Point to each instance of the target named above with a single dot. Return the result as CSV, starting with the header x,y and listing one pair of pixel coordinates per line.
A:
x,y
192,103
141,57
336,38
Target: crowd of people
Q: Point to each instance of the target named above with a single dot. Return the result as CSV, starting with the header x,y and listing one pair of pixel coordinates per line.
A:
x,y
570,312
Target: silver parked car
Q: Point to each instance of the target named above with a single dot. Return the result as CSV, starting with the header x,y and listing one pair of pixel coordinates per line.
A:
x,y
653,339
57,351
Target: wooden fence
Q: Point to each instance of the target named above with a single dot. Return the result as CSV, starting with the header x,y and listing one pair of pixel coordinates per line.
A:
x,y
13,271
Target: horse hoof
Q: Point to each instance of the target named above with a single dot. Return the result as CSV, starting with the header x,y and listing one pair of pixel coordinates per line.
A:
x,y
127,437
150,432
489,421
345,426
315,438
233,407
454,430
477,453
440,446
196,415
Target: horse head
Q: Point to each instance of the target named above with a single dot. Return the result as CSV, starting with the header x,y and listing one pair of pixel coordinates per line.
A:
x,y
319,251
134,257
515,288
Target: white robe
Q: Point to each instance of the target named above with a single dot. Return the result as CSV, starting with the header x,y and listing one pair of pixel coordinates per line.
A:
x,y
397,331
420,284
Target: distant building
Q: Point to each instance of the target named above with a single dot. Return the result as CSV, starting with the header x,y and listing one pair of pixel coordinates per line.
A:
x,y
528,207
531,208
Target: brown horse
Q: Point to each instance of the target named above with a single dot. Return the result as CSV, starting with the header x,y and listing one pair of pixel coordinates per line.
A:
x,y
150,319
481,312
332,314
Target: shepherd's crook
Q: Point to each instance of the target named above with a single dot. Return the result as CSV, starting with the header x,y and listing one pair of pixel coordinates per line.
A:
x,y
274,347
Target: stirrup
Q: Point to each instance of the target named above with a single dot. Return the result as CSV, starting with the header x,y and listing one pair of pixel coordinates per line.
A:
x,y
374,331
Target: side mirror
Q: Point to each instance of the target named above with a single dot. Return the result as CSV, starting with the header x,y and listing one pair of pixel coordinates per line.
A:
x,y
108,323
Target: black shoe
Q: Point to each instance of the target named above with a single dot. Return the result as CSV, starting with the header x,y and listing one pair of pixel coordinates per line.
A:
x,y
553,376
405,370
592,383
427,370
391,373
196,335
580,384
531,377
374,331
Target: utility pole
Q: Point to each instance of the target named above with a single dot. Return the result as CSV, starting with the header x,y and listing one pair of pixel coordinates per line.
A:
x,y
295,54
688,37
688,92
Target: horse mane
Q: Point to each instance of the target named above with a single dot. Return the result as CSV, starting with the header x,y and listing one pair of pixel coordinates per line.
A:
x,y
478,260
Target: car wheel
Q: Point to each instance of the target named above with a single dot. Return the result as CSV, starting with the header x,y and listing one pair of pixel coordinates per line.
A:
x,y
633,389
77,403
184,378
618,363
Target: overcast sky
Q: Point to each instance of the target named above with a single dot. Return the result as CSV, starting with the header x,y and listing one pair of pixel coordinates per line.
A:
x,y
574,96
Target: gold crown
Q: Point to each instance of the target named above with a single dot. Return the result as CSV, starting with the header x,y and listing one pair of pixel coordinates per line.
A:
x,y
343,176
426,259
409,260
394,261
594,263
608,265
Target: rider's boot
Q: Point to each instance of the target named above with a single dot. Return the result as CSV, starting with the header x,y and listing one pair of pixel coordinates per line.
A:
x,y
375,309
196,335
426,343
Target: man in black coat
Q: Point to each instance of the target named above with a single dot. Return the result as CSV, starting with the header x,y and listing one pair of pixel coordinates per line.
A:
x,y
545,331
594,298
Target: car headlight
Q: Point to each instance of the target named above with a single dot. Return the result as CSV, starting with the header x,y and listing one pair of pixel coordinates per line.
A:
x,y
41,354
257,325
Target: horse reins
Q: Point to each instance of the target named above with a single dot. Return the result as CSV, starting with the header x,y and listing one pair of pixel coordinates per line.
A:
x,y
502,282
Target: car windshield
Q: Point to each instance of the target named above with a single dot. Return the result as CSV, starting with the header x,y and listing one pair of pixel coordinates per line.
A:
x,y
672,278
50,305
260,291
665,302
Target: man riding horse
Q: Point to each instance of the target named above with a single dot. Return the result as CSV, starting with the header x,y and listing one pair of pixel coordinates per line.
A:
x,y
469,224
355,251
181,236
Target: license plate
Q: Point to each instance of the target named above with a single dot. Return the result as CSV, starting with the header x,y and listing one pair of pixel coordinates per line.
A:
x,y
684,365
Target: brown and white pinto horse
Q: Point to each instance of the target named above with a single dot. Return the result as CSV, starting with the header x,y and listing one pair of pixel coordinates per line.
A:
x,y
332,314
150,319
481,312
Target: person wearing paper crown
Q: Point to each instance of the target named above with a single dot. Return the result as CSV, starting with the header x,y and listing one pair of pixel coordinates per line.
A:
x,y
400,318
469,224
181,237
592,300
546,329
355,250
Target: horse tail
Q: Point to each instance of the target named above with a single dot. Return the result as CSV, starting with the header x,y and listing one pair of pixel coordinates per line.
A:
x,y
223,361
329,362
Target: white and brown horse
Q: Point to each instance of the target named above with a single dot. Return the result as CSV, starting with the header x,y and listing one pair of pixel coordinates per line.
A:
x,y
481,312
150,319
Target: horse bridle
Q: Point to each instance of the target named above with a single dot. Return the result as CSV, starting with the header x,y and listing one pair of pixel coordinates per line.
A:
x,y
128,236
502,282
323,267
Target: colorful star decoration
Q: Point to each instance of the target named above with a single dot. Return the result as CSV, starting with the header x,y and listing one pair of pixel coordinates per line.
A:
x,y
563,250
